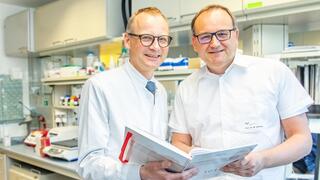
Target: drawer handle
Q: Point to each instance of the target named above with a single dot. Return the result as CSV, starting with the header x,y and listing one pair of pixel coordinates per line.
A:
x,y
17,165
35,171
70,40
23,50
171,18
187,15
56,43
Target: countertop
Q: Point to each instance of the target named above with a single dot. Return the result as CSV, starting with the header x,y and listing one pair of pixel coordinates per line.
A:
x,y
27,154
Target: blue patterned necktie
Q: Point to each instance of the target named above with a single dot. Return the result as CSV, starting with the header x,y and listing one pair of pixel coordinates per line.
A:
x,y
151,86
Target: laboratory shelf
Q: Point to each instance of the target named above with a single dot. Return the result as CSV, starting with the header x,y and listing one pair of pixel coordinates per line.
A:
x,y
65,80
65,107
300,55
160,75
173,75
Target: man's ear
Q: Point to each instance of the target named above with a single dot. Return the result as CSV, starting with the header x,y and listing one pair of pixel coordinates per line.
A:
x,y
126,40
237,33
194,43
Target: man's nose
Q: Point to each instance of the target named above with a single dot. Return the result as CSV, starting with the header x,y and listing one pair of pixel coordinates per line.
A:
x,y
214,41
155,44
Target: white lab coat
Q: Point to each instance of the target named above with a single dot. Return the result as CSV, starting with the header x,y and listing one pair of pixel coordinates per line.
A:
x,y
110,101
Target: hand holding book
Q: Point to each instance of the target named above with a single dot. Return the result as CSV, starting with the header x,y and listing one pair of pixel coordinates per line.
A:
x,y
159,169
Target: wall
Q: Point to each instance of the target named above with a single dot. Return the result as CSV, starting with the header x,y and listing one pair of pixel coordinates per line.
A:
x,y
7,63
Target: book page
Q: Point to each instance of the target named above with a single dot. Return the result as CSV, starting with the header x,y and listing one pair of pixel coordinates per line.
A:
x,y
210,161
197,151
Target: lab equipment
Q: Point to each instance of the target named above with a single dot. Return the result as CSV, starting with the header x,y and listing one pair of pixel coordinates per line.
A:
x,y
63,133
67,149
7,141
31,139
41,132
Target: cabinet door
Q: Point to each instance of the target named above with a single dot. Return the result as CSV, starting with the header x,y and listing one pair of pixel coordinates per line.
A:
x,y
2,167
264,39
21,174
170,8
62,23
16,34
190,7
86,21
50,24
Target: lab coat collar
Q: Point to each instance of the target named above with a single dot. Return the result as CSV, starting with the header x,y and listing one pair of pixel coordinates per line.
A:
x,y
133,72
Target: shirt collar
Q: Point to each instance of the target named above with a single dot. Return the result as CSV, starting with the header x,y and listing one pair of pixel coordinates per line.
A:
x,y
136,75
239,61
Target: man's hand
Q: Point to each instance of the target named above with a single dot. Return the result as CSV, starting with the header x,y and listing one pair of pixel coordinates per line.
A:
x,y
248,166
157,170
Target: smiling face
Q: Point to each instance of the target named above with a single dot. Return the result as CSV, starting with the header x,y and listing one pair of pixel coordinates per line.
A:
x,y
218,55
147,59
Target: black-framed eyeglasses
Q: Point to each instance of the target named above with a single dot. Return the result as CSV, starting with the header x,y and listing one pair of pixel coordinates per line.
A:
x,y
148,39
221,35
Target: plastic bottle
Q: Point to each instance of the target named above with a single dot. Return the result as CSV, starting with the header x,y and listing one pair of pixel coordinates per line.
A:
x,y
112,63
90,59
124,56
97,65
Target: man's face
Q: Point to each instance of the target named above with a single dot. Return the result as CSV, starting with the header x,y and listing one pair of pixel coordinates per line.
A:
x,y
147,59
218,55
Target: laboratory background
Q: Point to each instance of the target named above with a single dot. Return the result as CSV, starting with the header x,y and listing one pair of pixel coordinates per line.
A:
x,y
49,48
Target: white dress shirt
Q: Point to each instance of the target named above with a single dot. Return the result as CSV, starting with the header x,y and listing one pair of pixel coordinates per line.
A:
x,y
110,101
243,106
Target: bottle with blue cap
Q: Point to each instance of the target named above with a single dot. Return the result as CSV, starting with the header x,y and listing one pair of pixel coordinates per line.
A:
x,y
124,56
90,59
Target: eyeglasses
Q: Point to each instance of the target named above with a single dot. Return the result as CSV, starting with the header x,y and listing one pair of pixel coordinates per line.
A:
x,y
221,35
148,39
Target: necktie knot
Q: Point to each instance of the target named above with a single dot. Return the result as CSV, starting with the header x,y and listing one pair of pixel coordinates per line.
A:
x,y
151,86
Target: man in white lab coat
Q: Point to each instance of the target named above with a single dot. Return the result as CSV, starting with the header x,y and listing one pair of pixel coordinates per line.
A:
x,y
236,100
129,95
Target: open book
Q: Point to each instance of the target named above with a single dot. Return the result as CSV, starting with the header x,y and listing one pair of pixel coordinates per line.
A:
x,y
141,147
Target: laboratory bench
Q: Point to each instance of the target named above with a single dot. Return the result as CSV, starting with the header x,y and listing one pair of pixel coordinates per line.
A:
x,y
21,153
25,154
